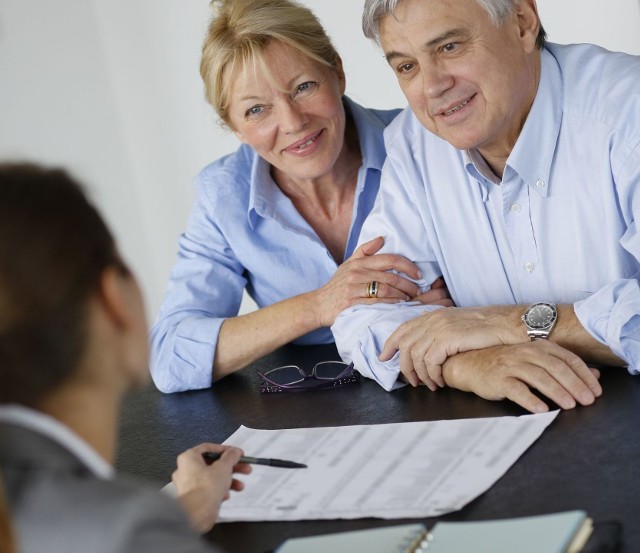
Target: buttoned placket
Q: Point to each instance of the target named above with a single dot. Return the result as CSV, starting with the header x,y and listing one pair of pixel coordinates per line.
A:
x,y
517,198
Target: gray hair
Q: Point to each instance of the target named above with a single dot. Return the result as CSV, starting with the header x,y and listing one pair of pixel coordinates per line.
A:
x,y
497,10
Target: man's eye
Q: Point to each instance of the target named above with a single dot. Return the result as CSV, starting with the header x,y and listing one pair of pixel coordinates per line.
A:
x,y
449,47
405,68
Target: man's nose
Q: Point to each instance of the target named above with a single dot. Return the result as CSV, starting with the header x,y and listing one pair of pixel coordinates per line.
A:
x,y
435,80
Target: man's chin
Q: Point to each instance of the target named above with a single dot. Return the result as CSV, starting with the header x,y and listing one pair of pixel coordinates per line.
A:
x,y
459,140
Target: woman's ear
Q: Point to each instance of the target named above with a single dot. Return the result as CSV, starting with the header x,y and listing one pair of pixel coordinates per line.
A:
x,y
123,307
113,296
238,134
341,76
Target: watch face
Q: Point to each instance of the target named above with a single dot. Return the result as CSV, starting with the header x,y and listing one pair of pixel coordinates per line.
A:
x,y
540,315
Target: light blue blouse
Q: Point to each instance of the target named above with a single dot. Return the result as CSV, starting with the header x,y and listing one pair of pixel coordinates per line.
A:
x,y
243,232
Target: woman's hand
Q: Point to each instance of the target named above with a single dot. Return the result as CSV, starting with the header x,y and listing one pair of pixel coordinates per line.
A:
x,y
438,294
350,283
202,487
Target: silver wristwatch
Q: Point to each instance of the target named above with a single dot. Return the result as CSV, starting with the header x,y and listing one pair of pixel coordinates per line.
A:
x,y
539,320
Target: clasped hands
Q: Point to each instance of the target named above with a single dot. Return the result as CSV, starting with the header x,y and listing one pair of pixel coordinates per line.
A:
x,y
393,274
486,350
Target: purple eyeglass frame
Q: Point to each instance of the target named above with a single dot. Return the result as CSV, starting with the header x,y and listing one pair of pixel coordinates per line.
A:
x,y
308,381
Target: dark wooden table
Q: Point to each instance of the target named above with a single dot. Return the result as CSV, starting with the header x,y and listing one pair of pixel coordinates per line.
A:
x,y
589,458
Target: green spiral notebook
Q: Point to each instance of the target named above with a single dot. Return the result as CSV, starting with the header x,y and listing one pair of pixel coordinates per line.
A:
x,y
565,532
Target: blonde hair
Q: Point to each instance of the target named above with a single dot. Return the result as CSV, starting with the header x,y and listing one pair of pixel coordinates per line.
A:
x,y
239,32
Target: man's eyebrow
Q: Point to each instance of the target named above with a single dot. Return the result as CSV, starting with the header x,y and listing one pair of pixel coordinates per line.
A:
x,y
447,35
451,33
393,55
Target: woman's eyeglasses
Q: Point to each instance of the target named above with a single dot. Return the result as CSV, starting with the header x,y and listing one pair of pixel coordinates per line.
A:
x,y
291,378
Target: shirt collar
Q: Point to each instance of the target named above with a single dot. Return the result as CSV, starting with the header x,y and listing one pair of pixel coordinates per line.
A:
x,y
265,196
372,146
478,168
533,153
59,433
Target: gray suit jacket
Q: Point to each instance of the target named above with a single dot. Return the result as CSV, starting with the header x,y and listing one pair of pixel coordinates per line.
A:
x,y
59,506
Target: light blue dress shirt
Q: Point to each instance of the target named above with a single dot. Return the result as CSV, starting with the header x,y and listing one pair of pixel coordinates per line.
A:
x,y
560,226
243,232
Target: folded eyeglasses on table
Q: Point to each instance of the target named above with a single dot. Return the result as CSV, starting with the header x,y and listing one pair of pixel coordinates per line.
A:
x,y
291,378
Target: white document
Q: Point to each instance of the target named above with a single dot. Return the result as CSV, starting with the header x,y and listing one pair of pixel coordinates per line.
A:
x,y
401,470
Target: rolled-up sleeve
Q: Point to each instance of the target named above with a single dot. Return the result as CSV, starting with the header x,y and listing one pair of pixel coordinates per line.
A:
x,y
205,288
361,331
612,316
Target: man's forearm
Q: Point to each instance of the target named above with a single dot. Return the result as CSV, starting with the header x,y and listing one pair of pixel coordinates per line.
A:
x,y
570,334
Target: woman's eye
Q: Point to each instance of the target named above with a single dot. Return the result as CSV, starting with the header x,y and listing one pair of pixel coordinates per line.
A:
x,y
254,110
306,87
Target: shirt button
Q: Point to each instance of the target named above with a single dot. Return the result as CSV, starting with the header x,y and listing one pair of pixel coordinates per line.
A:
x,y
529,267
540,183
515,208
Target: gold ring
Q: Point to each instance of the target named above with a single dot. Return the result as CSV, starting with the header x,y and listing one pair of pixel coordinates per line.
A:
x,y
372,289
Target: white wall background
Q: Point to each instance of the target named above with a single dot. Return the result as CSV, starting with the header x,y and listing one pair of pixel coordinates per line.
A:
x,y
110,89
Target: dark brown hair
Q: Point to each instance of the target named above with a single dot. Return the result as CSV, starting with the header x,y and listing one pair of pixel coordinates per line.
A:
x,y
54,247
7,544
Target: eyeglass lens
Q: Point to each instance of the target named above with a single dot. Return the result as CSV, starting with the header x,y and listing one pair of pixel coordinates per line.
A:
x,y
284,376
329,370
291,374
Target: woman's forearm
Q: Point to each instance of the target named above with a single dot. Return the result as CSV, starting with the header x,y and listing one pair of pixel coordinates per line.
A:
x,y
245,338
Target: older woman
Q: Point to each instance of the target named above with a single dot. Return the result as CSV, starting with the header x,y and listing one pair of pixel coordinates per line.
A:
x,y
281,216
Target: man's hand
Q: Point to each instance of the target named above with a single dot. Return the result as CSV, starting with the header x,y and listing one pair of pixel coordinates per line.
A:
x,y
427,341
510,372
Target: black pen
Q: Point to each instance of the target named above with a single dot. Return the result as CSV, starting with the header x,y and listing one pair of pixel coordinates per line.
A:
x,y
211,457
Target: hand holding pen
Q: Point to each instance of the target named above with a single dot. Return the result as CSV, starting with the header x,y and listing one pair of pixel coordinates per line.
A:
x,y
211,456
201,488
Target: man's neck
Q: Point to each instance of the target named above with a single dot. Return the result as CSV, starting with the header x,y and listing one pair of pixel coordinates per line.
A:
x,y
497,153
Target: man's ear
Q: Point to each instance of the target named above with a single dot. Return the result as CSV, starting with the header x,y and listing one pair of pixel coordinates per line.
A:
x,y
528,23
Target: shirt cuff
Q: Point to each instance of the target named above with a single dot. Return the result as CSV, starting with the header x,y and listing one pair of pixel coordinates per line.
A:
x,y
362,343
188,364
612,316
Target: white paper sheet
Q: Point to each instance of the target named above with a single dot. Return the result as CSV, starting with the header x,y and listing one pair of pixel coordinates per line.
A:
x,y
402,470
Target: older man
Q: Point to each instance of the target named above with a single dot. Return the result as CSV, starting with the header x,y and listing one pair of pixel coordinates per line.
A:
x,y
515,175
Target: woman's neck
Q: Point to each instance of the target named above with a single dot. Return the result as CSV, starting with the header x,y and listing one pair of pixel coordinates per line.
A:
x,y
91,413
326,202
